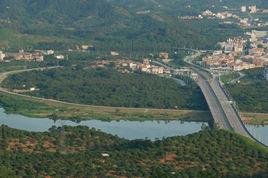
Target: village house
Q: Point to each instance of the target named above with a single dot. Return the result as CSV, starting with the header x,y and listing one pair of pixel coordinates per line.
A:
x,y
165,57
2,55
49,52
84,47
252,9
219,61
60,57
233,45
243,8
257,51
114,53
38,56
241,65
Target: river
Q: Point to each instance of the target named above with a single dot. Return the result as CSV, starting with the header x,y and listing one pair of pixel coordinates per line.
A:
x,y
125,129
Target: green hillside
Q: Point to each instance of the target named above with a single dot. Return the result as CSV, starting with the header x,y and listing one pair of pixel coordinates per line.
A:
x,y
107,87
113,24
78,152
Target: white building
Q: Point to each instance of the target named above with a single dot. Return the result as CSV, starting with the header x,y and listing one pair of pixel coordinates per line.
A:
x,y
2,55
50,52
114,53
243,9
59,57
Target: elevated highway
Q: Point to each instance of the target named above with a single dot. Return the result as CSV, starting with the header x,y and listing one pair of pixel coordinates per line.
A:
x,y
223,110
227,117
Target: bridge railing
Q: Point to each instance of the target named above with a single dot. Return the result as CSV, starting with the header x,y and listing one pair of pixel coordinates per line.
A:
x,y
235,108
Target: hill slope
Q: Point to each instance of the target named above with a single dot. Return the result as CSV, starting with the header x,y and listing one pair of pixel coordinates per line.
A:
x,y
113,24
77,152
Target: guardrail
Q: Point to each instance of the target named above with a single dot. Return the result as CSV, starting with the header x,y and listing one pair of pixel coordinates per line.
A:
x,y
239,116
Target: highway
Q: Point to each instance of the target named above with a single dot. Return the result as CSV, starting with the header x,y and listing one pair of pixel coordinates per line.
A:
x,y
229,119
227,116
224,112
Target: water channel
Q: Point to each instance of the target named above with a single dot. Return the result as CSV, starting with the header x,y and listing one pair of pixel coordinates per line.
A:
x,y
126,129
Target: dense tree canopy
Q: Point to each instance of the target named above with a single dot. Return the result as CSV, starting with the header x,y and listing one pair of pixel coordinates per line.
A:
x,y
109,87
109,25
251,93
80,152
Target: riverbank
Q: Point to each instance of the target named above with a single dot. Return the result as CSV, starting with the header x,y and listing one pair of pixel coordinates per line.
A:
x,y
43,108
255,118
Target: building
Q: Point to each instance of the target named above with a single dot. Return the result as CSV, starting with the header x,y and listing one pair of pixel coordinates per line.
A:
x,y
253,9
243,9
38,56
157,70
207,13
85,47
2,55
23,56
114,53
60,57
164,55
224,15
257,51
133,66
233,45
244,22
241,65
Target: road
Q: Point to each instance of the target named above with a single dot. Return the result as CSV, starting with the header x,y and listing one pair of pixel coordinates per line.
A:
x,y
222,109
229,119
214,104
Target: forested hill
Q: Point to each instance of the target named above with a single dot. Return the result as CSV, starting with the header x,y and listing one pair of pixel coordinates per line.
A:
x,y
118,24
78,152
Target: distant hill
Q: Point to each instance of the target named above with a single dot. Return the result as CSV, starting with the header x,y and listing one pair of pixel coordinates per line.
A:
x,y
114,24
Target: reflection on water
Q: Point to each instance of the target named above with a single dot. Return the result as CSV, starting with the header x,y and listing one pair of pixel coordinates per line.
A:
x,y
259,132
125,129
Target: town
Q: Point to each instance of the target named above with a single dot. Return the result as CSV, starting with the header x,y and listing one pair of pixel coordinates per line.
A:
x,y
37,55
147,66
242,17
240,53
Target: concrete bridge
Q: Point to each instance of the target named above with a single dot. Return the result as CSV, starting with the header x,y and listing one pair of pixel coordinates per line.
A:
x,y
223,110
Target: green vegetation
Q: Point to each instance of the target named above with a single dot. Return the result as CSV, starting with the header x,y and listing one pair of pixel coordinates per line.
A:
x,y
34,107
77,152
229,77
11,40
109,25
256,118
107,87
251,93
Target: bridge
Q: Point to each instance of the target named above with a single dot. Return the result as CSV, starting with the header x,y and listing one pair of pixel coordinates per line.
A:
x,y
223,110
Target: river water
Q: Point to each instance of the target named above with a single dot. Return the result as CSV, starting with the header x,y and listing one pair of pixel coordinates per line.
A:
x,y
125,129
259,132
